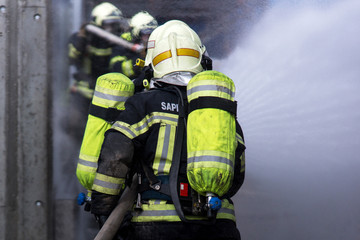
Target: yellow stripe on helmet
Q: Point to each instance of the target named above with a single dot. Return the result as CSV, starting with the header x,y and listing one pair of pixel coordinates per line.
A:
x,y
161,57
187,52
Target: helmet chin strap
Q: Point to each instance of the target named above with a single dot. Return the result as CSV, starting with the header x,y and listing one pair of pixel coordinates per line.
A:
x,y
181,78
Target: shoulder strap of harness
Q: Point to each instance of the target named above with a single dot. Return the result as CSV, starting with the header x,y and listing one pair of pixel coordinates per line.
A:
x,y
108,114
175,165
213,102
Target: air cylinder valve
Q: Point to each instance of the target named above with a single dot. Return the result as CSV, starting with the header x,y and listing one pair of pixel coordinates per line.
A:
x,y
213,203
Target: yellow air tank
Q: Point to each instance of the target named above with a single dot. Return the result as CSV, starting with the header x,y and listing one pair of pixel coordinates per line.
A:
x,y
111,92
211,130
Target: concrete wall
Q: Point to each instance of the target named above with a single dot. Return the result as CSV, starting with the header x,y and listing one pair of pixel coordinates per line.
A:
x,y
25,137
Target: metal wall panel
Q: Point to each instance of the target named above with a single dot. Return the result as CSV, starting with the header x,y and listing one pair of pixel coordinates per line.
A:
x,y
34,112
10,209
25,211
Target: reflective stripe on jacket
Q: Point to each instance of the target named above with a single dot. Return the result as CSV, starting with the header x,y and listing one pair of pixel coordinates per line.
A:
x,y
159,210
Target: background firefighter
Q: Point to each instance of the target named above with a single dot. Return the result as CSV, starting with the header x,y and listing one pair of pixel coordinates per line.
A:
x,y
123,59
90,55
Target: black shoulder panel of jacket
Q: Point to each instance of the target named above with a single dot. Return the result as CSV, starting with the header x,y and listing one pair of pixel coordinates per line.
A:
x,y
144,103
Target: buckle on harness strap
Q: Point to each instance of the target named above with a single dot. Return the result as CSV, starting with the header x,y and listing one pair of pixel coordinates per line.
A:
x,y
156,186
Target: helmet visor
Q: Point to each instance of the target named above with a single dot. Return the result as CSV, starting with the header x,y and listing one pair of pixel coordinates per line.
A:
x,y
111,25
146,31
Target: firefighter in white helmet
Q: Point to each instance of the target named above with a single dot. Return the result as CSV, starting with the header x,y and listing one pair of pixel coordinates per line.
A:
x,y
90,55
123,59
149,138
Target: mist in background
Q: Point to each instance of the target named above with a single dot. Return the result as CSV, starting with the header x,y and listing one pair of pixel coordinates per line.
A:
x,y
297,74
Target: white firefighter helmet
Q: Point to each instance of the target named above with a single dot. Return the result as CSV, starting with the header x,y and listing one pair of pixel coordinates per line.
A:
x,y
174,47
142,23
106,13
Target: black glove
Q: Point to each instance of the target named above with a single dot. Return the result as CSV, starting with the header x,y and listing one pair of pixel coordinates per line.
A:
x,y
125,230
102,204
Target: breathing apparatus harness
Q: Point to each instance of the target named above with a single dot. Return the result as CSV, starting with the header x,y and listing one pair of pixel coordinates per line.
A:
x,y
175,187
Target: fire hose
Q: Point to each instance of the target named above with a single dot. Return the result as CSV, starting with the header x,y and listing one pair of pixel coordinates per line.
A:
x,y
112,224
113,38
